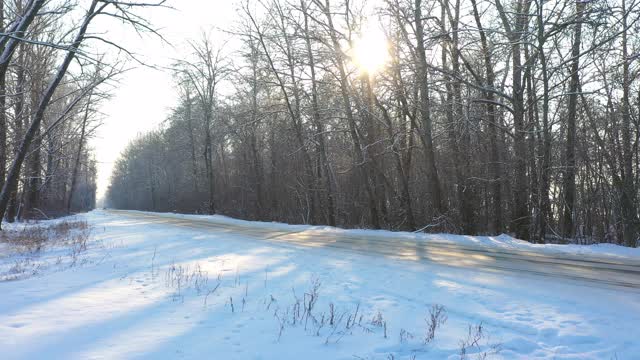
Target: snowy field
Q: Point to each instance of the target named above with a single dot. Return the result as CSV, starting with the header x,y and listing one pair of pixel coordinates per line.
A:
x,y
143,290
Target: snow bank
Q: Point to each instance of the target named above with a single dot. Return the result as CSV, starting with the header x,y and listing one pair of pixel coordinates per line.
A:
x,y
502,242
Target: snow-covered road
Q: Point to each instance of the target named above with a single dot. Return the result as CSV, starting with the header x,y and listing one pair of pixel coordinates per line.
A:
x,y
175,286
596,269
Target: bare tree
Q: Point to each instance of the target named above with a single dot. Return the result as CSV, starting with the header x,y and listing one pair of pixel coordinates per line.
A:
x,y
205,73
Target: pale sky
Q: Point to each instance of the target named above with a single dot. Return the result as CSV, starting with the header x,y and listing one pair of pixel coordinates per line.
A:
x,y
143,97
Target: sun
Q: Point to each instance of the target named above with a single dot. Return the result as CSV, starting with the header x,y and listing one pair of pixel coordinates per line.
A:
x,y
371,51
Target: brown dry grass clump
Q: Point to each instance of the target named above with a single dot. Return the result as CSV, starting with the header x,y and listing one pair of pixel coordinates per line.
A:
x,y
33,239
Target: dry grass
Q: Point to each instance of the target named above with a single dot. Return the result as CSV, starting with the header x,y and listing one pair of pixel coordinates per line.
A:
x,y
32,239
28,239
477,345
183,277
27,243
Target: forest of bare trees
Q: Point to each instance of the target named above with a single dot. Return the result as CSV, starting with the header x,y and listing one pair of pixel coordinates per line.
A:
x,y
488,117
51,86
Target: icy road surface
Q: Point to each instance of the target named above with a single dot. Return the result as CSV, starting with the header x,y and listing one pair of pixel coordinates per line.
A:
x,y
164,286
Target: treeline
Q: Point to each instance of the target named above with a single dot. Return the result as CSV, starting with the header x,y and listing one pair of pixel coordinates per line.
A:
x,y
488,117
51,85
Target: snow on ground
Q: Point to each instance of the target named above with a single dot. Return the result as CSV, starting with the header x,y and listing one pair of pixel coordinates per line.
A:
x,y
159,291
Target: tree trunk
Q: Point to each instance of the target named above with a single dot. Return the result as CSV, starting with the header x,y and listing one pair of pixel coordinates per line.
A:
x,y
495,167
545,162
33,172
569,178
319,128
458,130
521,219
76,165
192,141
3,114
628,197
405,195
425,114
